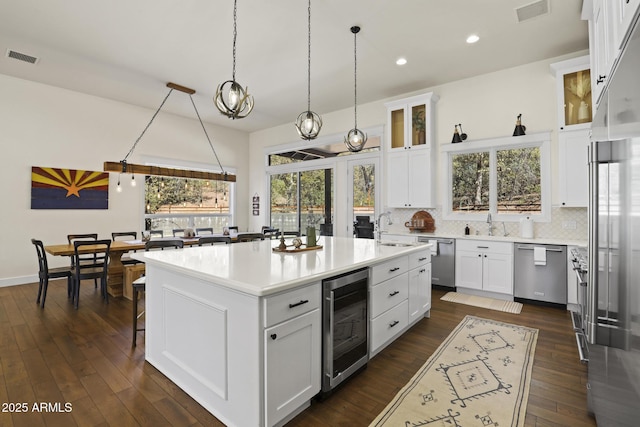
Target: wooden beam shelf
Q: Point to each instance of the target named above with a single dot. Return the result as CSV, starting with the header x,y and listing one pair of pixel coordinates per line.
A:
x,y
133,168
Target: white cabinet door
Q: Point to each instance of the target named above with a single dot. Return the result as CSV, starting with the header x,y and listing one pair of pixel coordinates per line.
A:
x,y
469,269
420,179
397,179
419,292
293,365
410,180
626,12
573,167
497,272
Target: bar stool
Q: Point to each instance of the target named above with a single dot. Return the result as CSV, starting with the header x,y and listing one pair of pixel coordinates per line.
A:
x,y
139,284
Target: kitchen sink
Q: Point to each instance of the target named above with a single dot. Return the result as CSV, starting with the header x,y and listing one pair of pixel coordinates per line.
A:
x,y
399,244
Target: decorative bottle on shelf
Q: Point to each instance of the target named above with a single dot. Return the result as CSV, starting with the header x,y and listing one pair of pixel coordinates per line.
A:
x,y
467,230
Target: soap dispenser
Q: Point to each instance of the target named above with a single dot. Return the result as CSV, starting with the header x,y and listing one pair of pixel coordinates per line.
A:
x,y
467,231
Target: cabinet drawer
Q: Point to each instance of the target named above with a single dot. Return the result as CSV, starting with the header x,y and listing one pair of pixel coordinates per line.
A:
x,y
389,269
387,294
281,307
484,246
419,258
388,325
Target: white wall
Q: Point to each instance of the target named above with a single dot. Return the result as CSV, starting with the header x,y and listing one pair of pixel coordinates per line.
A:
x,y
486,105
47,126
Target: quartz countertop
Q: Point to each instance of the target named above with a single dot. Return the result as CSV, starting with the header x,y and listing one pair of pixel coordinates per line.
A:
x,y
496,238
254,268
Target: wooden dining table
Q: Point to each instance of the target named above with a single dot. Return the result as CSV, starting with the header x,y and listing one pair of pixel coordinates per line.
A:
x,y
115,270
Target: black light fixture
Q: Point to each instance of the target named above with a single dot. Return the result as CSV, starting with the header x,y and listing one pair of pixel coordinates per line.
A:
x,y
355,139
520,128
231,99
308,123
124,167
458,136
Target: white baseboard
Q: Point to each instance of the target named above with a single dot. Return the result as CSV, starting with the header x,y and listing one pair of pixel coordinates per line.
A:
x,y
14,281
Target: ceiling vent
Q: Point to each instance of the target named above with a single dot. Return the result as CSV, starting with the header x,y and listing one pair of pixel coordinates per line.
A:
x,y
532,10
22,56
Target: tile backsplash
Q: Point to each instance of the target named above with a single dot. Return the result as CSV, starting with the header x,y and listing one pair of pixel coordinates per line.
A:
x,y
566,224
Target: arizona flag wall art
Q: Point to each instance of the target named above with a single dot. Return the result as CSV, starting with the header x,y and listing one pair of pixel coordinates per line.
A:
x,y
53,188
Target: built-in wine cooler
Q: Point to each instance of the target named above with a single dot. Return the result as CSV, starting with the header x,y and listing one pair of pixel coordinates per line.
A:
x,y
345,327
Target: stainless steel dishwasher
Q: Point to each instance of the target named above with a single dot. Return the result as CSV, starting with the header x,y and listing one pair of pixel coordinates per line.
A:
x,y
540,273
443,259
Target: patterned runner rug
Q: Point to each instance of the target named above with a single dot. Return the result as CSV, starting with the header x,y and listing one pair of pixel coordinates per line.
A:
x,y
479,376
490,303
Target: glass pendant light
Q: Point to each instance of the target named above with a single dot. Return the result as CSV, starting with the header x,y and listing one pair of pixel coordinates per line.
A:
x,y
308,123
231,99
355,139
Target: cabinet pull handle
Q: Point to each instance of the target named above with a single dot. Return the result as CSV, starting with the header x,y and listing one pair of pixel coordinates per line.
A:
x,y
298,303
482,247
422,271
422,259
479,255
274,336
394,323
394,293
600,79
394,269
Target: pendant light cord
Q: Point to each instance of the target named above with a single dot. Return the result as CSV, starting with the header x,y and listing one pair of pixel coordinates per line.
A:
x,y
154,116
147,127
309,59
355,78
207,135
235,35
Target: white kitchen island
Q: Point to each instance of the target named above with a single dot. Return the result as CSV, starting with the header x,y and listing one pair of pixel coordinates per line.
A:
x,y
238,327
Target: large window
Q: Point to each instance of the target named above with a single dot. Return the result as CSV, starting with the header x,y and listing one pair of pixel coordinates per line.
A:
x,y
508,177
301,199
172,203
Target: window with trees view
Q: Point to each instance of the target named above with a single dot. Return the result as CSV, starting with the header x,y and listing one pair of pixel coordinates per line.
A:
x,y
300,199
187,203
500,176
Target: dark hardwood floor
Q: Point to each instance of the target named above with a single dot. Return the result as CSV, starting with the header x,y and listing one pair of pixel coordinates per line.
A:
x,y
84,358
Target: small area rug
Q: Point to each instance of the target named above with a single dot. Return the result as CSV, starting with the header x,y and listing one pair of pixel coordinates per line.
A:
x,y
479,376
490,303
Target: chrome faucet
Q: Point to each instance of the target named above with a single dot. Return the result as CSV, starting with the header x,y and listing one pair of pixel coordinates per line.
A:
x,y
504,230
490,222
379,223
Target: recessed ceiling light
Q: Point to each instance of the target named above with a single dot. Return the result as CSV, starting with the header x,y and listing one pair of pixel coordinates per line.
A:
x,y
401,61
473,38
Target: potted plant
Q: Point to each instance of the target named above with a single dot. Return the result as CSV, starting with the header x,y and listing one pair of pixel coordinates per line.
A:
x,y
419,125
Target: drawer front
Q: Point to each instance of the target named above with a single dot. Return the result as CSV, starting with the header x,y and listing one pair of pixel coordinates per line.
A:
x,y
388,325
419,258
281,307
484,246
387,294
389,269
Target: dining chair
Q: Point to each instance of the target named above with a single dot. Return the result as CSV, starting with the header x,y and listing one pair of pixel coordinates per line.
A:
x,y
157,233
45,273
178,232
126,235
204,231
71,238
249,237
140,284
96,269
211,240
270,232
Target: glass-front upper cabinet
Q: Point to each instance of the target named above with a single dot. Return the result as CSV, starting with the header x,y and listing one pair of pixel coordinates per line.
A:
x,y
573,82
410,122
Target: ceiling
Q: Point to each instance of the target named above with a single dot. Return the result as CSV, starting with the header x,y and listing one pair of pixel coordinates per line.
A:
x,y
127,50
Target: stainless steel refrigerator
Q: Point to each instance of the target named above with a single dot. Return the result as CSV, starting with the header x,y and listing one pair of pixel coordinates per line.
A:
x,y
613,288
